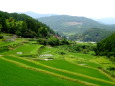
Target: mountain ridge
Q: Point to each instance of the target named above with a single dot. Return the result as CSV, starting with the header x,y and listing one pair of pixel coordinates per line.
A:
x,y
103,20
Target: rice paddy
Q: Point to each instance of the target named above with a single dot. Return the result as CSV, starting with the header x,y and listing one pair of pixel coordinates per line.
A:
x,y
26,65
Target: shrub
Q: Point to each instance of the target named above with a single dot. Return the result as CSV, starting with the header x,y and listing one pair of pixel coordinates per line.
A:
x,y
64,41
4,48
1,37
53,41
61,53
42,41
112,58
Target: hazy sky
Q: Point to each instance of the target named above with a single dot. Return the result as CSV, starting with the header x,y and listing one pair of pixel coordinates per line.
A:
x,y
87,8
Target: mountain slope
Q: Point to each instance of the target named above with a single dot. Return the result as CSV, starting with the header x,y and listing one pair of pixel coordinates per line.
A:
x,y
93,34
71,25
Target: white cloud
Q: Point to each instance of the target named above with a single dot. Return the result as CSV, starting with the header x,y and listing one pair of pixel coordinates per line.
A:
x,y
88,8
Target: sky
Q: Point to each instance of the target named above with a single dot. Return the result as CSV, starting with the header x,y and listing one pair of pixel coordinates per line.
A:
x,y
87,8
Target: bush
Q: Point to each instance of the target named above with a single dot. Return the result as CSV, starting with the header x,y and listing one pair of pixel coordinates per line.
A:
x,y
4,48
109,54
42,41
53,41
61,53
64,41
1,37
112,58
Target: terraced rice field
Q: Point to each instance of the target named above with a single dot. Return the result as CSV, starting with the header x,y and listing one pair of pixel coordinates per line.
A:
x,y
13,75
16,70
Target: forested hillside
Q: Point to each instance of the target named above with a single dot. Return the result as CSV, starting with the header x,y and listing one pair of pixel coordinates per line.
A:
x,y
73,26
23,25
107,46
93,34
69,24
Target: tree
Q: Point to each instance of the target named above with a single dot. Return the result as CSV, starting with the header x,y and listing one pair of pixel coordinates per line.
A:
x,y
11,25
42,32
3,24
53,41
64,41
42,41
0,27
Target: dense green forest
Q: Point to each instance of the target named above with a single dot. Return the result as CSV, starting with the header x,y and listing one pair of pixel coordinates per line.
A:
x,y
106,47
23,25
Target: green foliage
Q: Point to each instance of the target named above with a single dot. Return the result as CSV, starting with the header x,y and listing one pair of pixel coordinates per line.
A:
x,y
42,32
61,53
53,41
7,48
64,41
83,48
42,41
4,49
1,36
0,27
106,47
23,25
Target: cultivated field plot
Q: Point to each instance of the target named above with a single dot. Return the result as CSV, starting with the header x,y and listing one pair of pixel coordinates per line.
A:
x,y
31,64
25,49
13,75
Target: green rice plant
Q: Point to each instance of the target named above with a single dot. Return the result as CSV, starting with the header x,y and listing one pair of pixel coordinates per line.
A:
x,y
64,72
24,75
19,40
25,49
61,64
